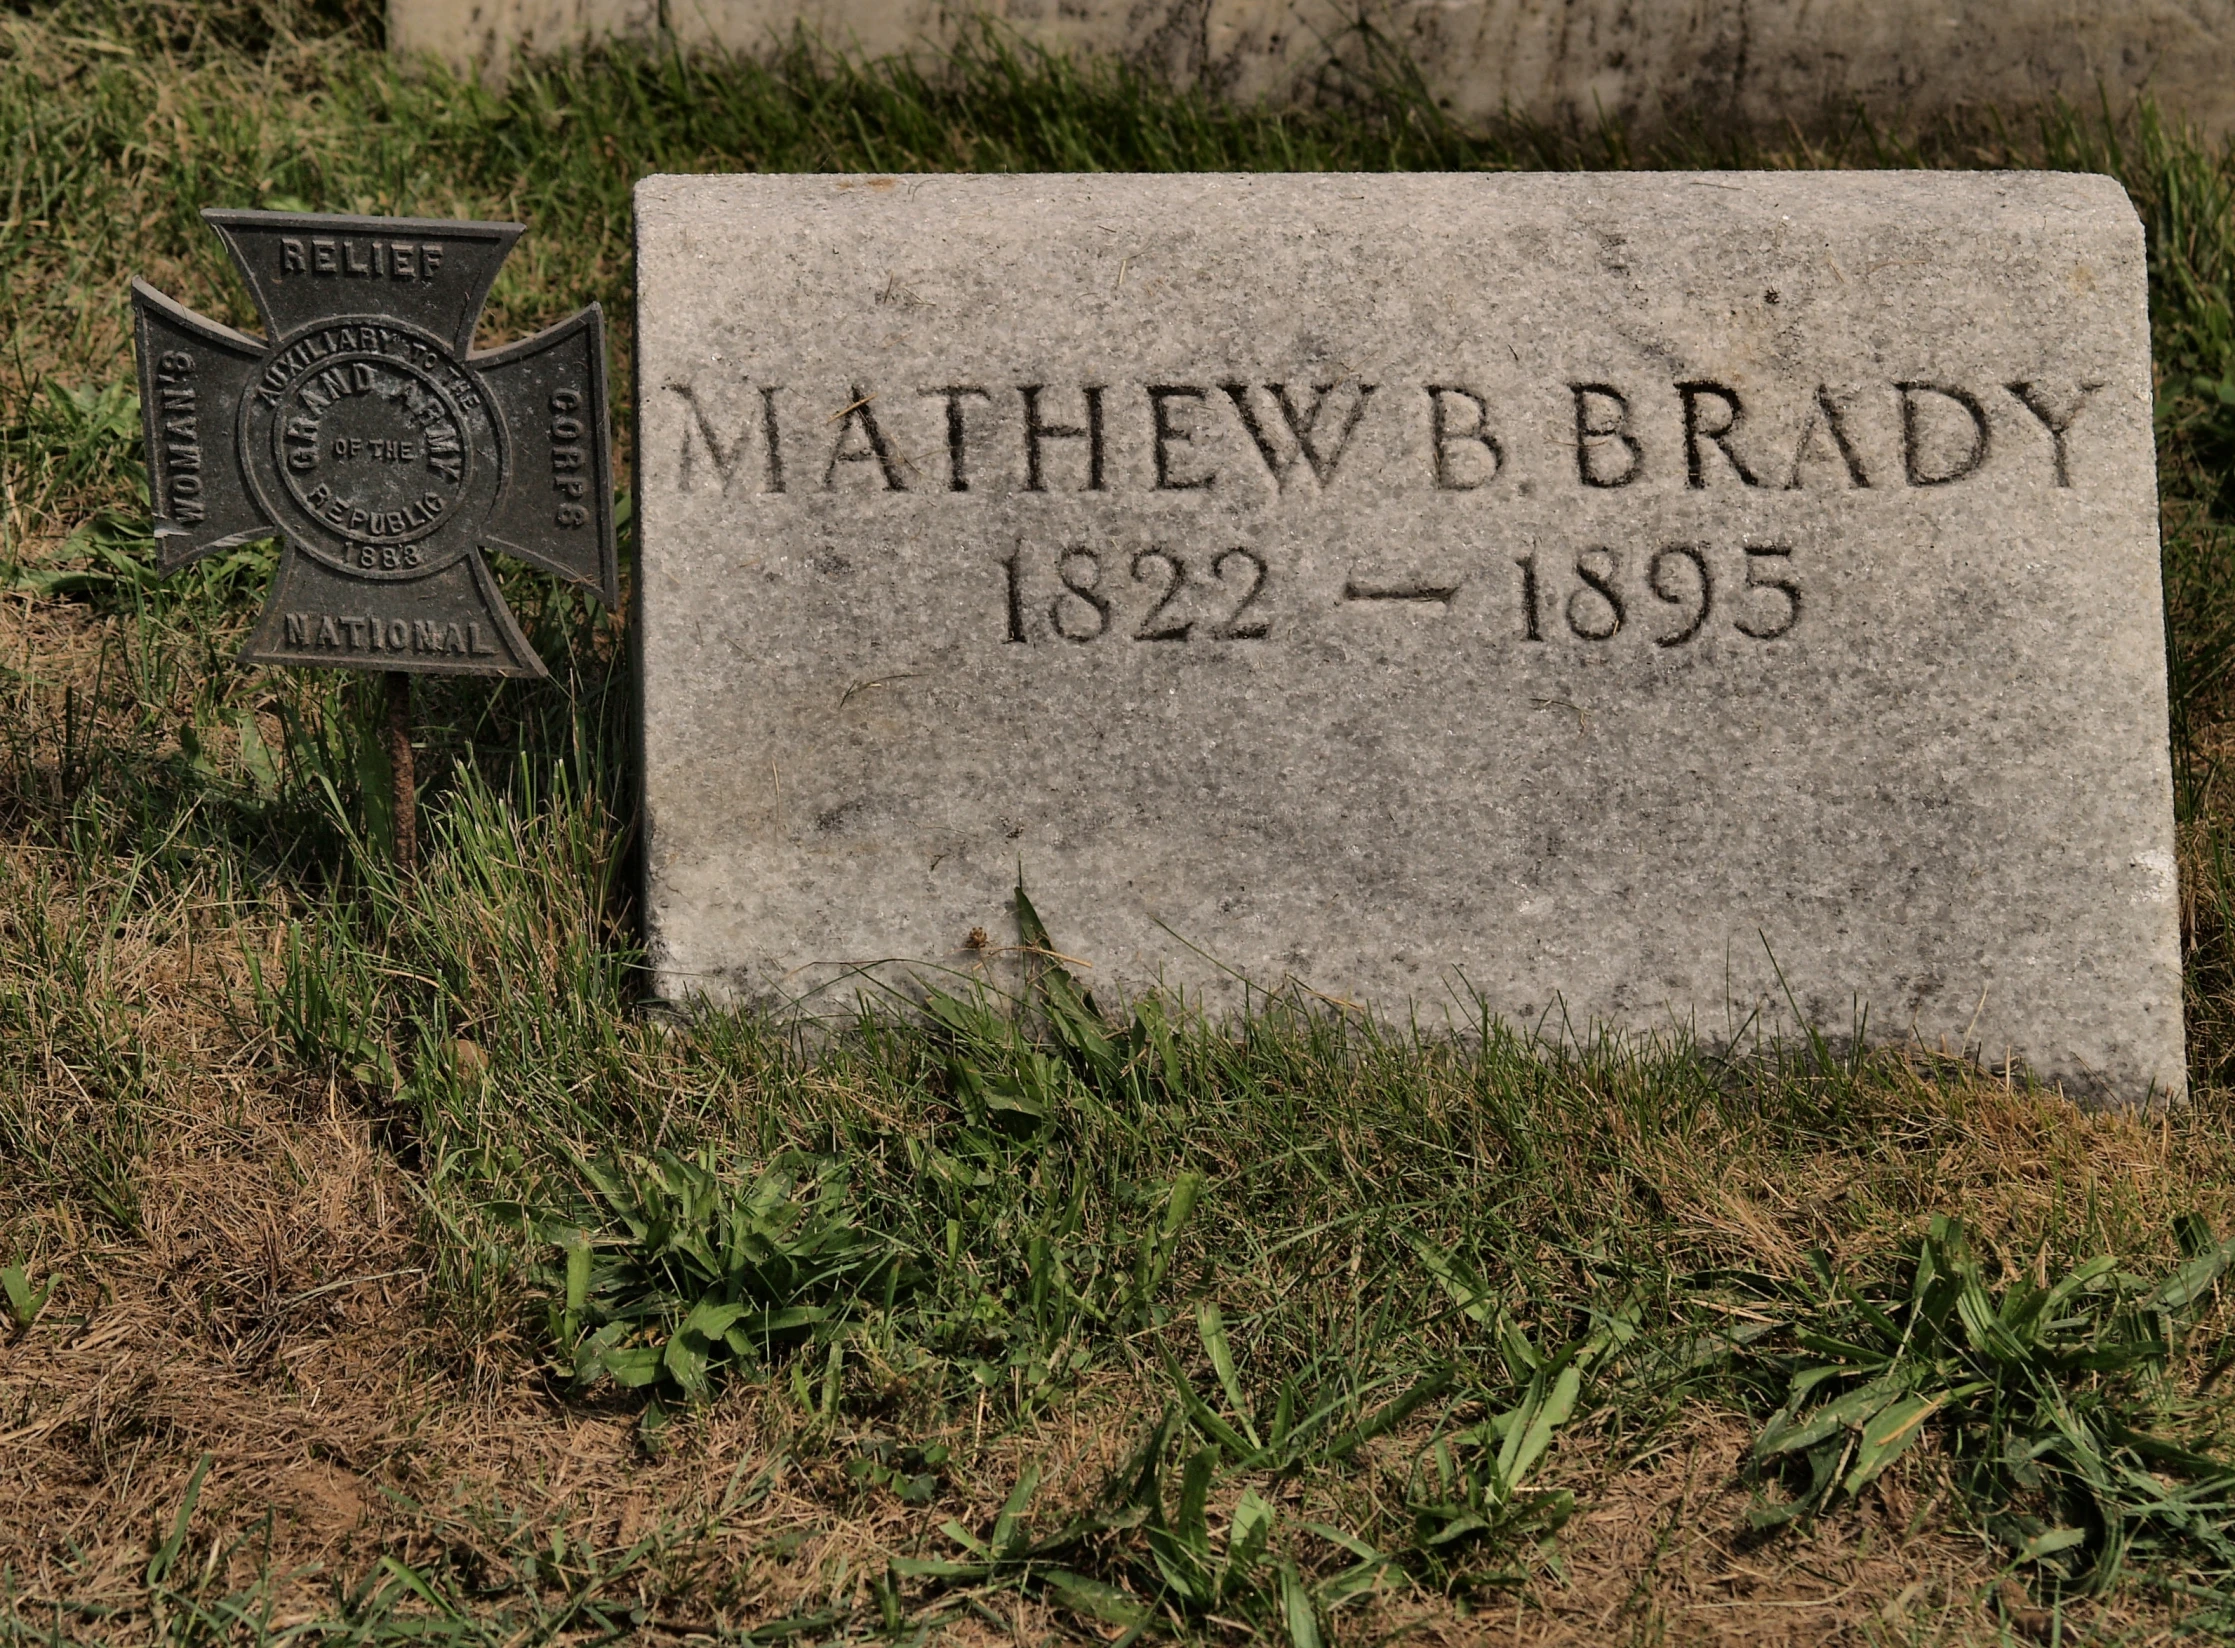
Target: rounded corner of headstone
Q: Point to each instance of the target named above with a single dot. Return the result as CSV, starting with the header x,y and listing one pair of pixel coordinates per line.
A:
x,y
2100,195
2169,1090
2150,1098
2173,1098
2145,1087
655,190
683,993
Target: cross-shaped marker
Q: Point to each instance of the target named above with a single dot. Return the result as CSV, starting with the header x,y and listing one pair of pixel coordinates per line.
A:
x,y
383,454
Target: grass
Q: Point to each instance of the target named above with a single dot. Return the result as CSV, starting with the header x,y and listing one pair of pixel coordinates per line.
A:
x,y
372,1269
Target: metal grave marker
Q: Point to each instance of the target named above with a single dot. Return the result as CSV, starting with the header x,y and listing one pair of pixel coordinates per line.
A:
x,y
363,433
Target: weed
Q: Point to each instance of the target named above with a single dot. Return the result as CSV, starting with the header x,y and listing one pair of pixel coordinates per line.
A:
x,y
2042,1400
24,1305
697,1272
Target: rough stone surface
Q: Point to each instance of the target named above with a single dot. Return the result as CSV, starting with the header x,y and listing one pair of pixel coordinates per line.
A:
x,y
1422,712
1763,64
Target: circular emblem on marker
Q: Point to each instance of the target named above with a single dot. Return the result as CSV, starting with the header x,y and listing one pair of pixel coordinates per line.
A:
x,y
374,447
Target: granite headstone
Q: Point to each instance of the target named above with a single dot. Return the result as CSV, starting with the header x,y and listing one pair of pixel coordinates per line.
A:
x,y
1673,603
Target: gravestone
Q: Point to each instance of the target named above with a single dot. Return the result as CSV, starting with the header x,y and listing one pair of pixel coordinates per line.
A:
x,y
1675,603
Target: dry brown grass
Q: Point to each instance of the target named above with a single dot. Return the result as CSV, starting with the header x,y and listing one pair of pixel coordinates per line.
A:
x,y
273,1315
345,1432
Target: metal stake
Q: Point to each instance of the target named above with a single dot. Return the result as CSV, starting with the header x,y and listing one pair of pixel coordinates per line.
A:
x,y
404,788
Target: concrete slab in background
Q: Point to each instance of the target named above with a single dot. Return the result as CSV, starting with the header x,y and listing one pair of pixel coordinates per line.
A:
x,y
1761,63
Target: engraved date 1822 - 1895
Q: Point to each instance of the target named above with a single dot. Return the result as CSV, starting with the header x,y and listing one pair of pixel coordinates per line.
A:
x,y
1674,594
